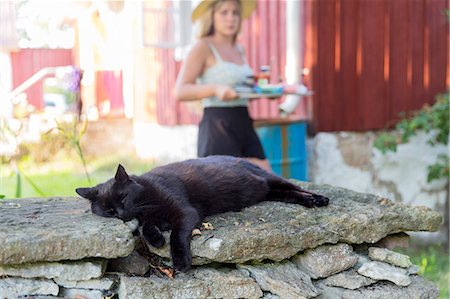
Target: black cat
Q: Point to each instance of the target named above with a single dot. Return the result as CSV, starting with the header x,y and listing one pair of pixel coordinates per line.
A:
x,y
179,195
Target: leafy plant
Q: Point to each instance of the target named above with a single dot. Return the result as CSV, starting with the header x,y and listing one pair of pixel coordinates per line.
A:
x,y
433,120
72,133
68,133
433,261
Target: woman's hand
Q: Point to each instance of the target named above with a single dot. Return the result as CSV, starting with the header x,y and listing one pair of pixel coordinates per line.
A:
x,y
225,93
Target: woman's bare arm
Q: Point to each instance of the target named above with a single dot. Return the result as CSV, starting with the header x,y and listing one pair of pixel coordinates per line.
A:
x,y
193,66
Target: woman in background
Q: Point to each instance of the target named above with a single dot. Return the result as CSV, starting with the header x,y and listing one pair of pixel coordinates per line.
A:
x,y
213,67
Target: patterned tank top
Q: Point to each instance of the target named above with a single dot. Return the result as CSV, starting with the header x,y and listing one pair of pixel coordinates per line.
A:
x,y
225,72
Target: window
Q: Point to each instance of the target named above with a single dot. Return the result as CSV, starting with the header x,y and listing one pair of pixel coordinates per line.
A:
x,y
166,24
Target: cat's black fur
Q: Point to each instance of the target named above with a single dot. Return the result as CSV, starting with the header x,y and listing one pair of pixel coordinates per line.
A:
x,y
179,195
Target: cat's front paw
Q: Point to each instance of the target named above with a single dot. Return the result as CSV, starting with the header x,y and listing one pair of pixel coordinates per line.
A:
x,y
154,236
182,262
320,200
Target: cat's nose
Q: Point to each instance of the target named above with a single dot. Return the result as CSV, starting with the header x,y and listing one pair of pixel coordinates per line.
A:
x,y
124,215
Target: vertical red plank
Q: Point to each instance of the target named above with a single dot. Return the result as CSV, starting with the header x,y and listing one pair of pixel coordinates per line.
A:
x,y
264,48
308,60
325,105
437,27
349,108
416,46
399,60
273,44
254,37
371,87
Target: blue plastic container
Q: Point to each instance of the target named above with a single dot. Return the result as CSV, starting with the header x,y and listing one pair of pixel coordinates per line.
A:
x,y
284,144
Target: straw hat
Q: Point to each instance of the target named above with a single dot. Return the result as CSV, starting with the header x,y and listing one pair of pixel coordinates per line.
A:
x,y
247,7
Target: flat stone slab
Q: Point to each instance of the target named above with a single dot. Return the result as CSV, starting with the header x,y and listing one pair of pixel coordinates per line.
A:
x,y
277,231
326,260
70,270
58,228
383,271
198,283
388,256
349,280
14,287
419,288
284,280
104,283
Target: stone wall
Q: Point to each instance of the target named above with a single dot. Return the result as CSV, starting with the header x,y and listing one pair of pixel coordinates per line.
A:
x,y
56,248
349,160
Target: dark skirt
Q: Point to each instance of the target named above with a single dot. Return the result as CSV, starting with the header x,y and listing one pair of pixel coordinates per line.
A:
x,y
228,131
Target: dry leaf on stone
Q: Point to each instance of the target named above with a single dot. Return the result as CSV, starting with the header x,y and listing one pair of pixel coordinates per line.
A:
x,y
207,226
166,271
196,232
163,270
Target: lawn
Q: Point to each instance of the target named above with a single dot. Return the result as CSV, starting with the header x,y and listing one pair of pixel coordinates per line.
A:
x,y
61,178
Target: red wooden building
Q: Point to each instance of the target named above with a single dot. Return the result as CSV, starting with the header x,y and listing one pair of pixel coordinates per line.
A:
x,y
368,60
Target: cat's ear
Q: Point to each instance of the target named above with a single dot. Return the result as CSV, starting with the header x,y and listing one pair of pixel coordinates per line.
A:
x,y
88,193
121,175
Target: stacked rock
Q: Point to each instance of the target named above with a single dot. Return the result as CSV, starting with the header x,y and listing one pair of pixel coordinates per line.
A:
x,y
56,247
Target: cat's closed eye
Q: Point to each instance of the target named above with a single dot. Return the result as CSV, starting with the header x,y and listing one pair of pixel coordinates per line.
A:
x,y
110,212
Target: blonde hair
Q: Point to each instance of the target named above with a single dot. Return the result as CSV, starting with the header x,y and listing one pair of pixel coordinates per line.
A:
x,y
206,24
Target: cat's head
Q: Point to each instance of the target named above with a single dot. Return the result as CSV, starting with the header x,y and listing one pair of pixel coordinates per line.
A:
x,y
113,197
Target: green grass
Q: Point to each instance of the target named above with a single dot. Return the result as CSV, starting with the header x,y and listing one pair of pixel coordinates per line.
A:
x,y
434,265
62,178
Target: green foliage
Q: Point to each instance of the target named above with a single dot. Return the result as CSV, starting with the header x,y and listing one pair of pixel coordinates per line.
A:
x,y
72,133
60,178
433,120
50,147
434,265
386,142
18,193
55,144
439,169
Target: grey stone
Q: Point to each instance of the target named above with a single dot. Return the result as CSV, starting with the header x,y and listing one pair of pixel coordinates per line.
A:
x,y
58,228
14,287
132,264
362,259
69,270
282,279
198,283
382,271
388,256
418,289
414,269
81,293
277,231
349,279
106,282
326,260
268,295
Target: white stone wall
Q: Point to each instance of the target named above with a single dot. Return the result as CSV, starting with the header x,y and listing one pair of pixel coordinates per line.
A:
x,y
165,143
349,160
